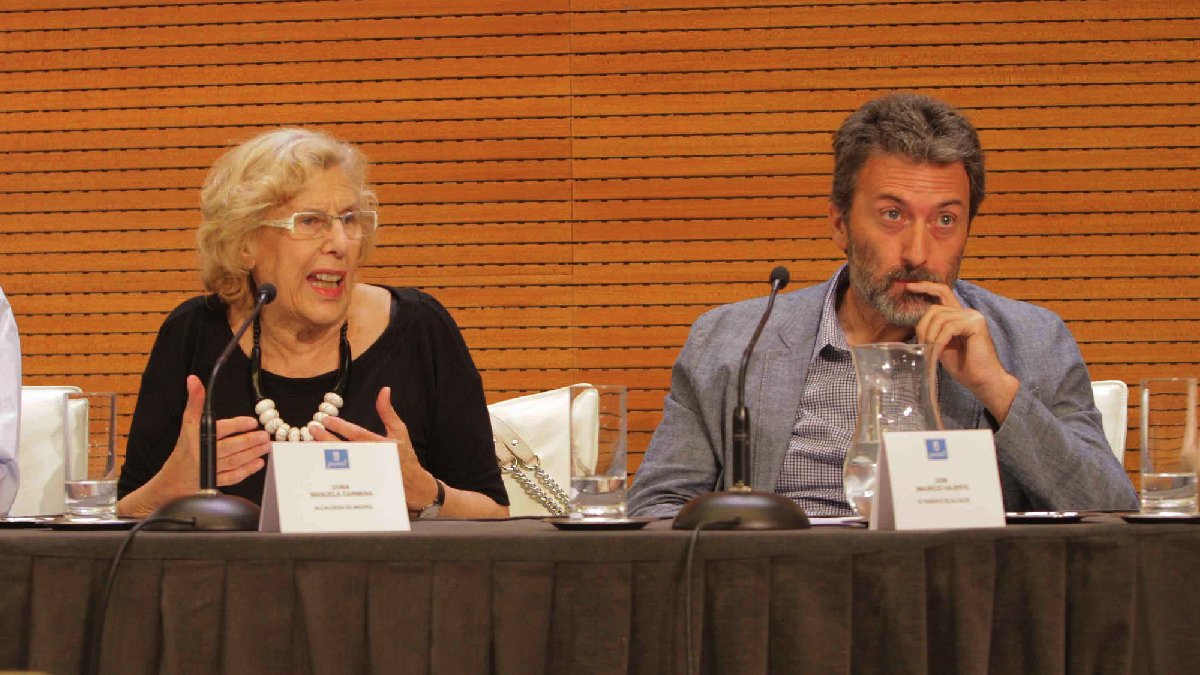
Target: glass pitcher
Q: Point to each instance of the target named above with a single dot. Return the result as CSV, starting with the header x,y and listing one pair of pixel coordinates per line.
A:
x,y
897,391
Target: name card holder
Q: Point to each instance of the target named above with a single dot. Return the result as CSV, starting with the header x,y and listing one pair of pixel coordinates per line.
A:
x,y
333,487
937,480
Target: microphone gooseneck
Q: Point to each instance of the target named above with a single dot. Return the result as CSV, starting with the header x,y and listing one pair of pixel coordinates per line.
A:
x,y
208,426
741,416
209,509
779,279
740,507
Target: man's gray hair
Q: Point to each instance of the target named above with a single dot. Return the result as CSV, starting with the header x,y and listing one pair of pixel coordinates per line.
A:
x,y
915,126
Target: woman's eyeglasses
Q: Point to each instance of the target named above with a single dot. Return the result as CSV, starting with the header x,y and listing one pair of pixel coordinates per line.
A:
x,y
313,225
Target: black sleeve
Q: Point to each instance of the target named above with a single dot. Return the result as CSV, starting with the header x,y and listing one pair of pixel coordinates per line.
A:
x,y
160,404
460,442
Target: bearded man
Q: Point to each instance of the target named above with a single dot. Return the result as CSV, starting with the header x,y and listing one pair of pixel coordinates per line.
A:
x,y
908,180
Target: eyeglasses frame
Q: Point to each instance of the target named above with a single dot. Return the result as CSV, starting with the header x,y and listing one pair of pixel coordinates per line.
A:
x,y
289,224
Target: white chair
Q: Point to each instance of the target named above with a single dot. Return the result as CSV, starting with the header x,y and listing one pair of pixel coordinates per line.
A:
x,y
40,456
1112,399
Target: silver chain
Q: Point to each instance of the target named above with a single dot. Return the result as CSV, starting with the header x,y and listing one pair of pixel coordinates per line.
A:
x,y
556,502
551,485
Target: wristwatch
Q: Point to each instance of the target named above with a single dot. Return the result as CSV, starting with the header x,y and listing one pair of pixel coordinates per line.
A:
x,y
433,509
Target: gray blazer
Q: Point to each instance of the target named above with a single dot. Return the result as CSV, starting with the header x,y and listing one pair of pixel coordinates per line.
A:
x,y
1051,450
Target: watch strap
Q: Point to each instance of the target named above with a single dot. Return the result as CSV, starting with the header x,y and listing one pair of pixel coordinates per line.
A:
x,y
432,510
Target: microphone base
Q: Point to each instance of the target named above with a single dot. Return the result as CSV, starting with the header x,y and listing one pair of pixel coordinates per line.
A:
x,y
213,511
752,510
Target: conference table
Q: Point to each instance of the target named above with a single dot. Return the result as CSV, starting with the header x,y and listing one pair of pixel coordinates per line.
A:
x,y
519,596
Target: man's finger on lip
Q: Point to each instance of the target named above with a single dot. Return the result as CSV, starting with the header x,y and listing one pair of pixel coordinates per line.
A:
x,y
935,299
930,288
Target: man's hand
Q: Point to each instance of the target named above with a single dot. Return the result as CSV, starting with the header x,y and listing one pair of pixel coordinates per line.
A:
x,y
963,345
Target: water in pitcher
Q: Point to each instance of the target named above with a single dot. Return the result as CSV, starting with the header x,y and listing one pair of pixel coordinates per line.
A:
x,y
895,393
858,478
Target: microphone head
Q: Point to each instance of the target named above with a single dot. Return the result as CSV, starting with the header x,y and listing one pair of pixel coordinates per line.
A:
x,y
267,292
780,277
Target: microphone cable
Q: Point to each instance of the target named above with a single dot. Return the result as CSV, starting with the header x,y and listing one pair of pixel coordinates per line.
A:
x,y
691,552
97,633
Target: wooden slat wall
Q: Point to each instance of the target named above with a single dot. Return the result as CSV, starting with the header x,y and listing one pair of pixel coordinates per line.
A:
x,y
579,179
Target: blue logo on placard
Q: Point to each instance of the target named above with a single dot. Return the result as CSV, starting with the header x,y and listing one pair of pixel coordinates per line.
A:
x,y
936,448
337,459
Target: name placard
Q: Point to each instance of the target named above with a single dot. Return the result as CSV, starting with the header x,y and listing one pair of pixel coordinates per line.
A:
x,y
333,487
937,480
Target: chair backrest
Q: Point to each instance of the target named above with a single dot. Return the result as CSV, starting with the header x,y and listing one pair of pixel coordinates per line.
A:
x,y
40,456
1112,399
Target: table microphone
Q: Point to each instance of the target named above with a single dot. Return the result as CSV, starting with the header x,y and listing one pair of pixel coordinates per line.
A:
x,y
740,506
211,509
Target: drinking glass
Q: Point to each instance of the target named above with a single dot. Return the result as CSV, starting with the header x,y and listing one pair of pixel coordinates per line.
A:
x,y
1168,445
598,452
90,444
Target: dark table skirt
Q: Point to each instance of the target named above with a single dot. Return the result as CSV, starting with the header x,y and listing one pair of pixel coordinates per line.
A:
x,y
521,597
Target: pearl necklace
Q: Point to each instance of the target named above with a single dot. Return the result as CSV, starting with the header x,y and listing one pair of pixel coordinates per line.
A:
x,y
269,417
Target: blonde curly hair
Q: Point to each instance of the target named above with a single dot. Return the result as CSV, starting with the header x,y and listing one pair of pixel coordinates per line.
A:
x,y
251,179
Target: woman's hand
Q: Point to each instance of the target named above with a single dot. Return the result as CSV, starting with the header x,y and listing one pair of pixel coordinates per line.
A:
x,y
420,487
241,446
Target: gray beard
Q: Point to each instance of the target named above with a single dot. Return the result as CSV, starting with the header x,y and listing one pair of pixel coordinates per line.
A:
x,y
872,290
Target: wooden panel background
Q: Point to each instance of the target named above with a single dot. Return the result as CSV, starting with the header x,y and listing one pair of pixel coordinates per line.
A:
x,y
577,180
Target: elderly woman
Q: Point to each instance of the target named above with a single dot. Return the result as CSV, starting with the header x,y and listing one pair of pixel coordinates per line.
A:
x,y
328,356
